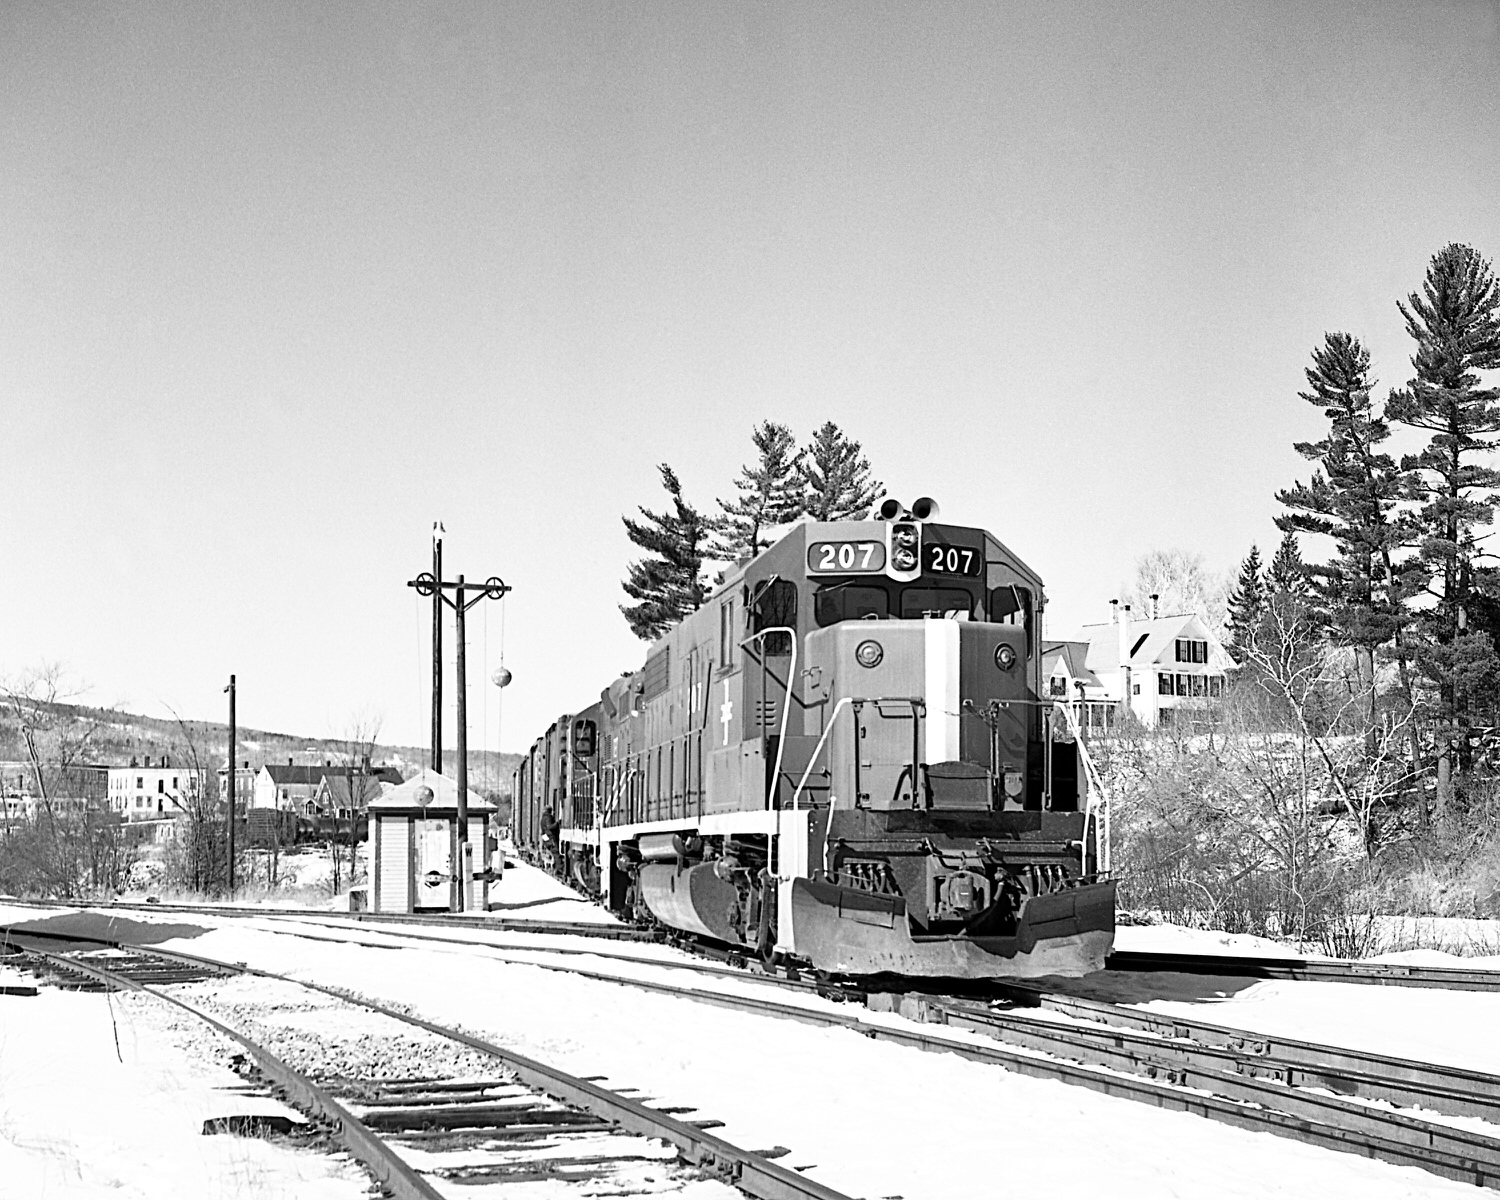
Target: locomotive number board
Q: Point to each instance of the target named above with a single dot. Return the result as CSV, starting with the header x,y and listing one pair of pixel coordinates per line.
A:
x,y
941,559
846,558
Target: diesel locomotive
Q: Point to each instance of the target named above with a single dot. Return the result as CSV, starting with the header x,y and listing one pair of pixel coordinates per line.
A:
x,y
842,759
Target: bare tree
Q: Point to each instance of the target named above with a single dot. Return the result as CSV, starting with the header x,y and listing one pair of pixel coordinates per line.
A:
x,y
68,841
199,857
361,732
1182,584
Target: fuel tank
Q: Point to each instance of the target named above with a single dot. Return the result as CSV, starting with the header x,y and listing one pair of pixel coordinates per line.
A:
x,y
691,898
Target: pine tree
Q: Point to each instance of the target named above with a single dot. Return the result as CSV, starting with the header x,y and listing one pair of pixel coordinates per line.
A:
x,y
1247,604
1287,574
669,584
836,477
1455,322
1352,498
770,494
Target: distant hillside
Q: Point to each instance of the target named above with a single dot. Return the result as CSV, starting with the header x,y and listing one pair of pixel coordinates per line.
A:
x,y
120,736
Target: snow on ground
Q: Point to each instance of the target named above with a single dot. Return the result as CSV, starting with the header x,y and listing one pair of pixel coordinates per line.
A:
x,y
1179,939
877,1120
105,1096
869,1118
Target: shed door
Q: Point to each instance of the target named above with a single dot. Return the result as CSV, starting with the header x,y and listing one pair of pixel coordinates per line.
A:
x,y
434,865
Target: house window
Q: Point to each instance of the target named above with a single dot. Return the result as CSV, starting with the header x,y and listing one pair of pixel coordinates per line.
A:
x,y
1182,685
1164,685
161,786
1198,684
1135,689
1215,686
1057,686
1191,650
140,782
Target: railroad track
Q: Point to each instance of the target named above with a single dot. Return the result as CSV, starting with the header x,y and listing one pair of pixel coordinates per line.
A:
x,y
1236,966
601,929
1325,1096
1308,969
476,1113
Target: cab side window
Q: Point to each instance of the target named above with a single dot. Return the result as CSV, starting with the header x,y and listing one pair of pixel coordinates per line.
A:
x,y
1011,605
775,607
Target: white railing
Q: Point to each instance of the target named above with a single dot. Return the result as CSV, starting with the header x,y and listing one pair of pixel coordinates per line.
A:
x,y
818,749
1096,785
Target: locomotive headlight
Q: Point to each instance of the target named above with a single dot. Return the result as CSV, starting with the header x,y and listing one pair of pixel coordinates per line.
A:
x,y
1005,657
904,538
869,653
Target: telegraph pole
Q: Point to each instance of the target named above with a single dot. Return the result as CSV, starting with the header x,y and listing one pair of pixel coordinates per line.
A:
x,y
437,648
435,586
233,786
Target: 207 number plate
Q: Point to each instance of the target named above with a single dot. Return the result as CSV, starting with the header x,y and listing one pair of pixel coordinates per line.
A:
x,y
940,559
846,558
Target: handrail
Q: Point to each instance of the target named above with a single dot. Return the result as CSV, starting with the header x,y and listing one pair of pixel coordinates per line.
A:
x,y
786,708
827,729
1096,782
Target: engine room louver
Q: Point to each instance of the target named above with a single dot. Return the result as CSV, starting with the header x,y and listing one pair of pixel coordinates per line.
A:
x,y
656,672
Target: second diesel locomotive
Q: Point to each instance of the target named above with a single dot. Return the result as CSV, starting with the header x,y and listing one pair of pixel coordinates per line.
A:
x,y
843,759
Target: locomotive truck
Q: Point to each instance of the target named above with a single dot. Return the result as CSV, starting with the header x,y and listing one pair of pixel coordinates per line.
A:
x,y
842,759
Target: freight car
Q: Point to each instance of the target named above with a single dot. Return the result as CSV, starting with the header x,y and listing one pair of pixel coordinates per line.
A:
x,y
843,759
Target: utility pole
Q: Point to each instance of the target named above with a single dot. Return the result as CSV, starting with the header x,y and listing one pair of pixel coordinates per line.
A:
x,y
233,786
435,586
437,648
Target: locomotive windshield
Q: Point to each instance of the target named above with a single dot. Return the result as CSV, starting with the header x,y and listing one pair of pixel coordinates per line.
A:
x,y
850,602
954,603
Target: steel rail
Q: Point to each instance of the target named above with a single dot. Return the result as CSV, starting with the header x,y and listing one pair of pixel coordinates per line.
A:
x,y
752,1173
626,933
1240,966
1245,1072
1453,1090
357,1138
1317,970
1250,1103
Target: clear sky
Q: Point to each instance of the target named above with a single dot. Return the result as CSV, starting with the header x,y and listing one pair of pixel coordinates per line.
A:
x,y
282,284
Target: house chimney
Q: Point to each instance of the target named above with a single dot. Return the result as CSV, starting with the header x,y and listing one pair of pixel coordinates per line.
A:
x,y
1124,625
1155,609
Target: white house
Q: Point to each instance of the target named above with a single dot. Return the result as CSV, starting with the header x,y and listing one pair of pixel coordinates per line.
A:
x,y
289,788
142,792
1168,668
1066,676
